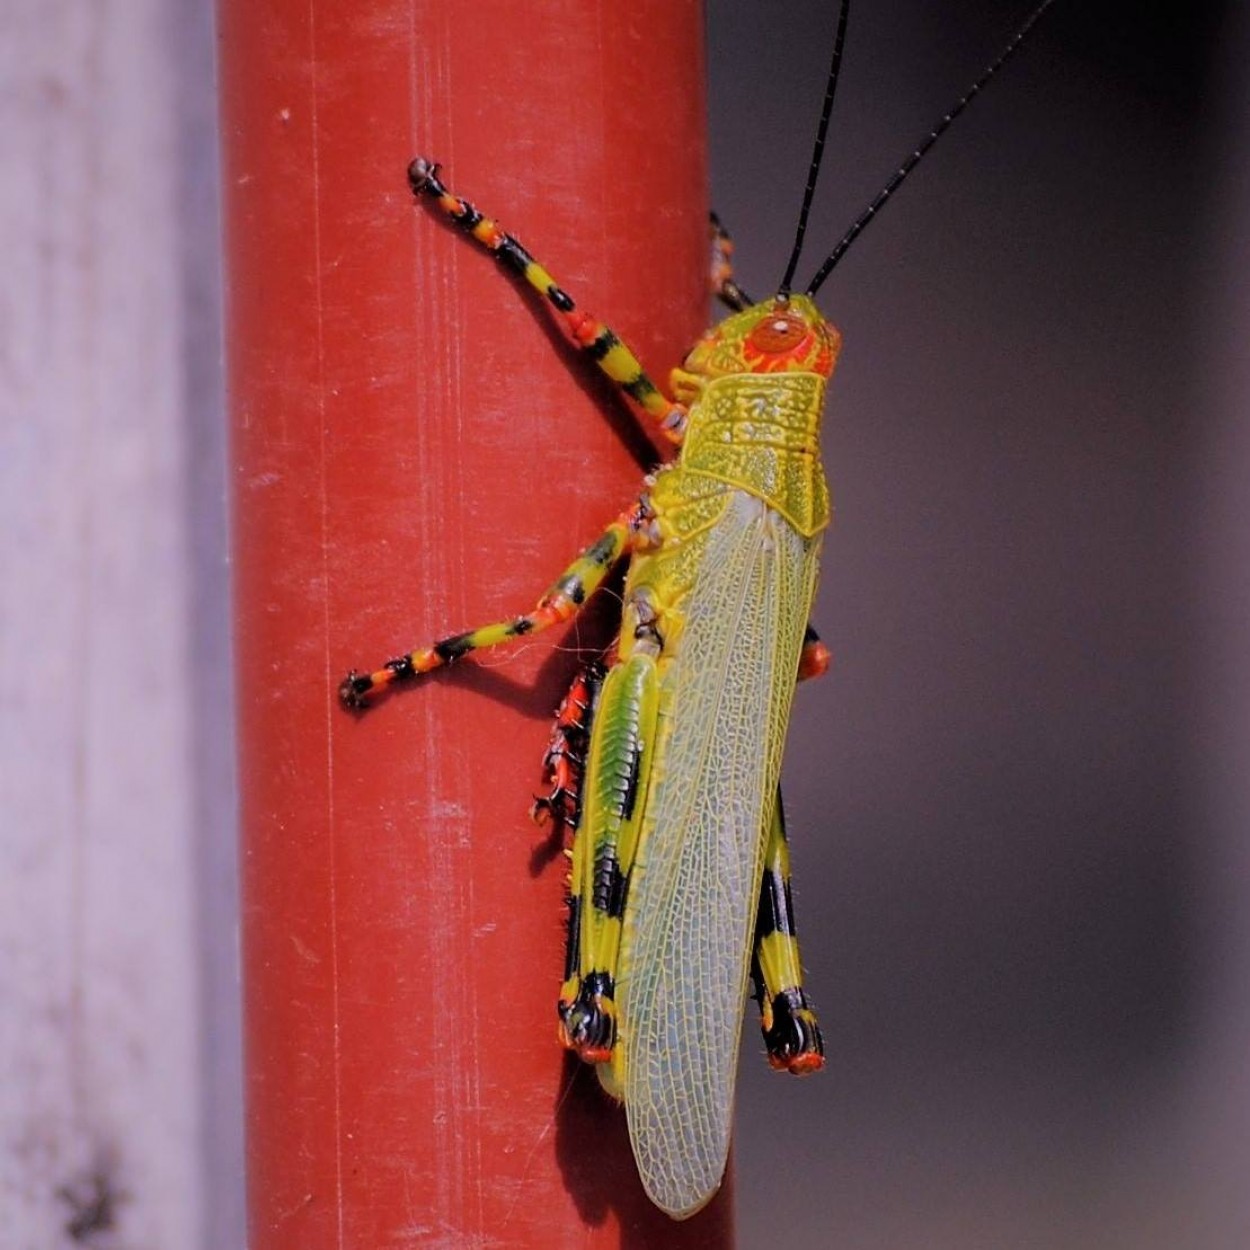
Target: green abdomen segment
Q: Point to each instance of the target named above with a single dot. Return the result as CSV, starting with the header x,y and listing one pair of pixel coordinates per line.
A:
x,y
613,800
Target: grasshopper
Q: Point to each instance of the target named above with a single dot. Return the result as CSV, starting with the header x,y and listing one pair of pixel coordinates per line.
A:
x,y
665,759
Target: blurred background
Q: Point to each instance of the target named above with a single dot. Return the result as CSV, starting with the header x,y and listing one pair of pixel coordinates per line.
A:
x,y
1017,803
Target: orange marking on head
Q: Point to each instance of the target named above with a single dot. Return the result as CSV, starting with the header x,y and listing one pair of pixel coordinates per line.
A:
x,y
780,335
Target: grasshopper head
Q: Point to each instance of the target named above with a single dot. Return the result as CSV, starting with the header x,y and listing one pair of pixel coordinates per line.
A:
x,y
784,334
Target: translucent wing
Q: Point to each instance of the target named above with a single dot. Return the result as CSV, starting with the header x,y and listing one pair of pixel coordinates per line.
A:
x,y
694,888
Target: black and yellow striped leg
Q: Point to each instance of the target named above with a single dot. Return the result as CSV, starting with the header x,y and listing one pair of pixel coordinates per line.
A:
x,y
789,1024
791,1033
563,599
597,340
724,288
613,795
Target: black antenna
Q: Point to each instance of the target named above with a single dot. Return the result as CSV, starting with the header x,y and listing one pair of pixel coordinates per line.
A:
x,y
861,222
818,151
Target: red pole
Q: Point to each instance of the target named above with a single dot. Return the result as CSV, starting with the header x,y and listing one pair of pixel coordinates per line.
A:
x,y
416,451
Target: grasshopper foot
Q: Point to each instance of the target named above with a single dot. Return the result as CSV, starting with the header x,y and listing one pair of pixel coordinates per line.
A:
x,y
792,1035
588,1021
358,691
354,690
420,174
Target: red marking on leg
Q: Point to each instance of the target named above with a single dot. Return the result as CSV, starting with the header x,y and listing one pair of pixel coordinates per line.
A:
x,y
583,1050
593,1054
814,661
802,1065
552,610
584,328
597,1016
564,762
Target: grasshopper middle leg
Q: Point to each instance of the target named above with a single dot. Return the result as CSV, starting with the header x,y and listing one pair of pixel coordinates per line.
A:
x,y
562,600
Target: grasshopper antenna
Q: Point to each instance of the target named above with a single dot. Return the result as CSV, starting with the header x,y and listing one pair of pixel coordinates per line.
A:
x,y
861,222
818,151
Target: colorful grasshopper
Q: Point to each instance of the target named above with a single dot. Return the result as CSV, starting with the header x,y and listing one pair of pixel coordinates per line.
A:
x,y
665,759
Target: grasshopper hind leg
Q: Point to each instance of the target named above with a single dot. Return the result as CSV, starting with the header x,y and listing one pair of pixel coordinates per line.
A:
x,y
787,1019
599,768
565,761
586,1007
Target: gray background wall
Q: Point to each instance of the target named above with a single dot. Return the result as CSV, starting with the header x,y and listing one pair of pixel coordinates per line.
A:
x,y
1017,803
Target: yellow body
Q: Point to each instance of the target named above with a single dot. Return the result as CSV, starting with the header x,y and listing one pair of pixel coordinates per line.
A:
x,y
721,600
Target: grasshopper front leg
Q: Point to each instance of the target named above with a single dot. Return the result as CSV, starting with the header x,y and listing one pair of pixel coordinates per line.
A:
x,y
721,278
599,341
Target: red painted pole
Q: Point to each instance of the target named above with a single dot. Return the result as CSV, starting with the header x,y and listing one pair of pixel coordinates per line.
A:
x,y
416,451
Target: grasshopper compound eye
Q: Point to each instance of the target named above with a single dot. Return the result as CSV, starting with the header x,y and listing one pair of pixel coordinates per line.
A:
x,y
781,333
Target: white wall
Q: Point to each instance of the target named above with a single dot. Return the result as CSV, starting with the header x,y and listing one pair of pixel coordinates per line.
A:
x,y
118,1037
